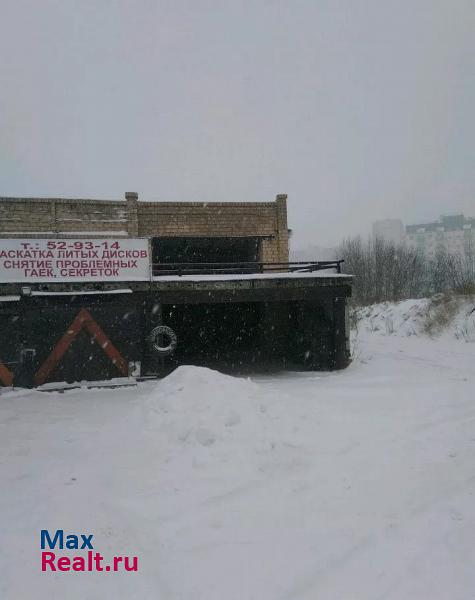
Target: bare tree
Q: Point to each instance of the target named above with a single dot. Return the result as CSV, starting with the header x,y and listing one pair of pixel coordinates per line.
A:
x,y
387,271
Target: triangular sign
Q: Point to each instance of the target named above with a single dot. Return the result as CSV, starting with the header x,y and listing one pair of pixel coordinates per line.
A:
x,y
6,376
83,320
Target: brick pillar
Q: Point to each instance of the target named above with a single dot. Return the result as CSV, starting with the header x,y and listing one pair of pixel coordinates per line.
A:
x,y
132,214
282,229
54,217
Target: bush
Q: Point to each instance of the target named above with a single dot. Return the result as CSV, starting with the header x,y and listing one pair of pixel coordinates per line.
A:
x,y
441,312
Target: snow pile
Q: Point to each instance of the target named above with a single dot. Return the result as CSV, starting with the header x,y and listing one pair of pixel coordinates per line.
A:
x,y
198,406
439,315
401,318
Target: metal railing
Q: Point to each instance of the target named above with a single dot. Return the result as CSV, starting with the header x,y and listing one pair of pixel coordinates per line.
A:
x,y
242,268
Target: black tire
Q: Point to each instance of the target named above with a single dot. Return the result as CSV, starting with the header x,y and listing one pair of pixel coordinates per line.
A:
x,y
153,339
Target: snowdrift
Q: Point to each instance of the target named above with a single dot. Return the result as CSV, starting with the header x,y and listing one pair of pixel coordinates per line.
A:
x,y
199,406
438,316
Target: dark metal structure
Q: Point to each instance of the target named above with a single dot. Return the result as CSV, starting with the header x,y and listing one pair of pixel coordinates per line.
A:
x,y
235,316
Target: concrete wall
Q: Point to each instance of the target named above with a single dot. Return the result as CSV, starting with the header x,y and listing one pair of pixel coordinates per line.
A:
x,y
59,217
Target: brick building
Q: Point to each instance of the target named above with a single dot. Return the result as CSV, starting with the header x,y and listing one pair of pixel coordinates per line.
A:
x,y
188,231
79,325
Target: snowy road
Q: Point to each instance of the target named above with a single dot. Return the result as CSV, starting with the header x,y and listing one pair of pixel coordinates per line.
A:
x,y
343,486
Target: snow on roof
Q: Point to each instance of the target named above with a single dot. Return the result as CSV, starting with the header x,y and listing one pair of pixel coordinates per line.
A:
x,y
113,232
82,292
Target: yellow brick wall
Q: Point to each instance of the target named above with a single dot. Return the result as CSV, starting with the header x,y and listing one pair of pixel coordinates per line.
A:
x,y
59,217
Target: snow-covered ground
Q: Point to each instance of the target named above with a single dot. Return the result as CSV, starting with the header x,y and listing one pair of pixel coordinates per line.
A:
x,y
335,486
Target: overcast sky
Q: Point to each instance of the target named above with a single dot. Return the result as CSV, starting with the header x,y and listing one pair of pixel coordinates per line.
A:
x,y
358,109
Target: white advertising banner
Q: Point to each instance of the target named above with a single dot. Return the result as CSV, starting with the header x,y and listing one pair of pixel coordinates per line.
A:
x,y
59,260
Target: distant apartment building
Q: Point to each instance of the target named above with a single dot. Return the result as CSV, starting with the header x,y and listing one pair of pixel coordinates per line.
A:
x,y
390,230
452,233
